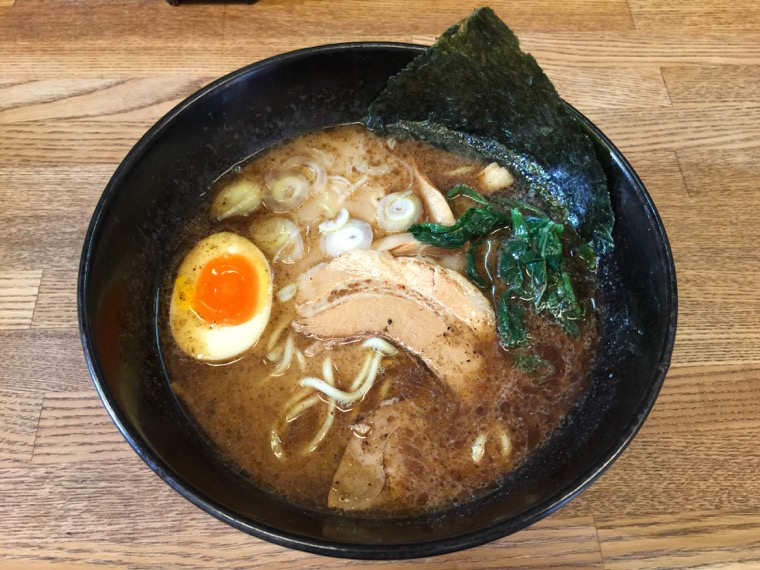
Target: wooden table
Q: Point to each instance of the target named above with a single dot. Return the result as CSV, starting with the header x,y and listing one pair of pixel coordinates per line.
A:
x,y
676,85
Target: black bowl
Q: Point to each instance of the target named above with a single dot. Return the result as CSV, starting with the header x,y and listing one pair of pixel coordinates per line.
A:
x,y
164,179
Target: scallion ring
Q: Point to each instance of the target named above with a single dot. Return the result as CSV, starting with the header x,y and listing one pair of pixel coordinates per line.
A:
x,y
399,210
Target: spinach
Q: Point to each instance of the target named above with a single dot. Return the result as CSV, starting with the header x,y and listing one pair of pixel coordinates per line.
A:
x,y
510,321
586,255
475,222
464,190
471,268
530,363
530,265
562,303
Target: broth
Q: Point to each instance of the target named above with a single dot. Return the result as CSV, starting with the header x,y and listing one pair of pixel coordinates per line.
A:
x,y
420,441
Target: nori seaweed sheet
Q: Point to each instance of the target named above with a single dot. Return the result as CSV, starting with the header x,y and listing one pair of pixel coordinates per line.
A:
x,y
475,92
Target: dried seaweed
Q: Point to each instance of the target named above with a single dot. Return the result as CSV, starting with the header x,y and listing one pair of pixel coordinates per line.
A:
x,y
475,92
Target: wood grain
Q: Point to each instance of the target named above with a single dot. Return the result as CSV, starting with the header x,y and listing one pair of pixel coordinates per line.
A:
x,y
685,14
18,294
674,85
649,478
691,191
56,306
46,360
718,83
58,198
703,540
73,428
18,426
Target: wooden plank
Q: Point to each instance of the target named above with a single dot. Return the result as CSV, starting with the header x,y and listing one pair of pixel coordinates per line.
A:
x,y
111,20
23,93
48,508
728,333
75,428
732,127
697,399
722,178
225,37
43,360
139,99
121,498
51,192
146,99
19,418
235,21
718,305
24,60
681,540
620,87
59,199
693,85
107,118
719,311
686,14
80,555
649,476
18,295
57,300
70,142
636,49
59,248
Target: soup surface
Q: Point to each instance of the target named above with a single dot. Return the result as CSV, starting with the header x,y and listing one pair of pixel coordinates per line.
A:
x,y
375,381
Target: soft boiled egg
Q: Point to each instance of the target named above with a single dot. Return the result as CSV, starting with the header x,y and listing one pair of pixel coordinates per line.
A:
x,y
222,298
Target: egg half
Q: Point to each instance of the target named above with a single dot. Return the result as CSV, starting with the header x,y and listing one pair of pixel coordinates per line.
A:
x,y
222,298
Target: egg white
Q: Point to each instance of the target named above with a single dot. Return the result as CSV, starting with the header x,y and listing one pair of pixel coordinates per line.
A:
x,y
209,341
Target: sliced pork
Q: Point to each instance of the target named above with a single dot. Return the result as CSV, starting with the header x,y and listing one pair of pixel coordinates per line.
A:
x,y
431,311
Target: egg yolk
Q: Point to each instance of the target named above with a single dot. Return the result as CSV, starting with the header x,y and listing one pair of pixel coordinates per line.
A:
x,y
227,290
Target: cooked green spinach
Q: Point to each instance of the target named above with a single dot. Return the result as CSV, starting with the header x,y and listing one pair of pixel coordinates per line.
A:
x,y
530,363
474,223
531,267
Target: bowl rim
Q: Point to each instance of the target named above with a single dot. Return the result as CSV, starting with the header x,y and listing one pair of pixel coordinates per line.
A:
x,y
331,547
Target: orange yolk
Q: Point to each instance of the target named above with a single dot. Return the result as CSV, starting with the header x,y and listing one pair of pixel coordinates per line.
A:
x,y
227,290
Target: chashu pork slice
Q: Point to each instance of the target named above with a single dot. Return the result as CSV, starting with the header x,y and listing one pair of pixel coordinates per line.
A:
x,y
366,474
433,312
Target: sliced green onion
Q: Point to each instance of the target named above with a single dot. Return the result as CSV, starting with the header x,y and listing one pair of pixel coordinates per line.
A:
x,y
286,193
238,198
355,234
287,292
333,225
399,210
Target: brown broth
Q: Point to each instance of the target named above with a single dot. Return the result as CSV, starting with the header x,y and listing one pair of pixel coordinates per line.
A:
x,y
237,405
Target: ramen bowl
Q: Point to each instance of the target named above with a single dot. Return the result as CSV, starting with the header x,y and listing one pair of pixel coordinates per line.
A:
x,y
162,182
